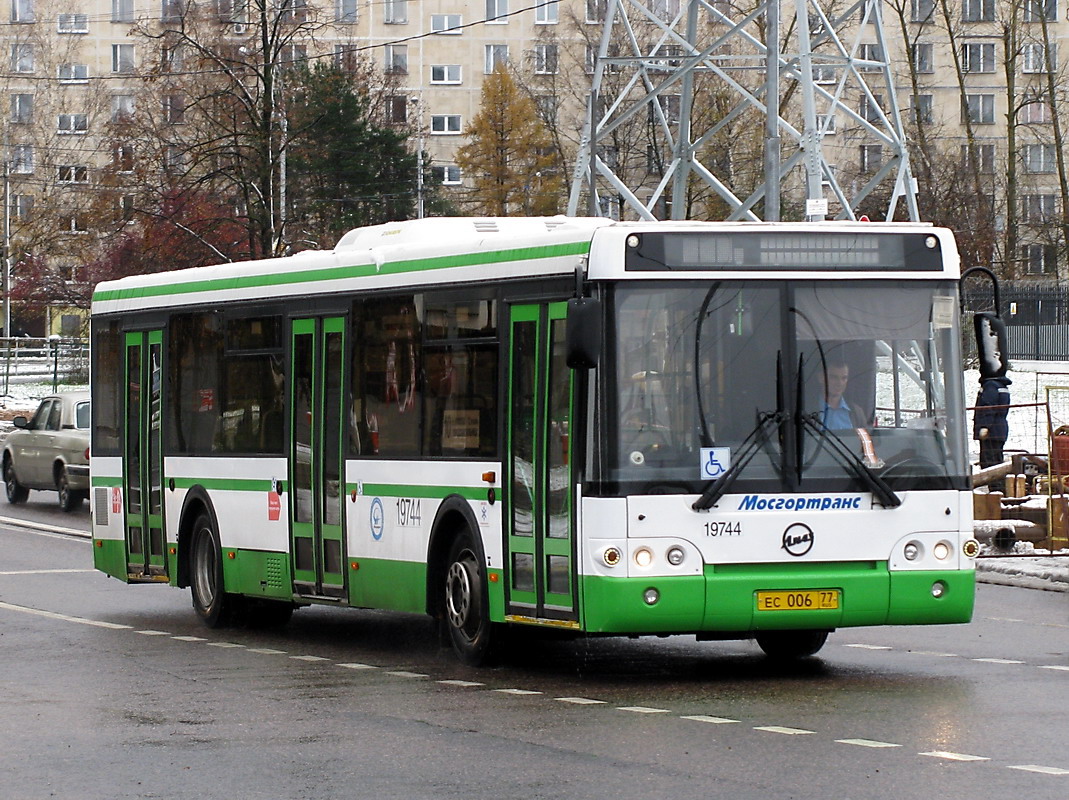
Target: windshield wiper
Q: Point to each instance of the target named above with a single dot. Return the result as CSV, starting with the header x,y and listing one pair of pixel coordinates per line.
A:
x,y
832,444
754,442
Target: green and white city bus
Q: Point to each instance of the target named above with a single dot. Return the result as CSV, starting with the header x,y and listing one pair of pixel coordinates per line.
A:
x,y
586,425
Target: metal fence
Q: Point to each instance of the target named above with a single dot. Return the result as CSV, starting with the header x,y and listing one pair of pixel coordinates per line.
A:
x,y
53,361
1036,317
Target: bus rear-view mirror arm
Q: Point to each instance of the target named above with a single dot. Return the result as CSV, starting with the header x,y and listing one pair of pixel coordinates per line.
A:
x,y
583,337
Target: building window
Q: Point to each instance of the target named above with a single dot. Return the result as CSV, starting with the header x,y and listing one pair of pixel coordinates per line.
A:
x,y
1038,158
445,73
980,108
345,12
1037,208
122,157
293,54
870,157
495,55
923,59
497,10
922,10
397,109
985,155
445,123
547,12
171,10
122,58
347,57
978,57
1036,60
922,109
21,109
72,123
22,57
293,11
22,11
22,159
545,59
547,105
978,10
73,23
174,108
1040,259
595,10
870,108
397,59
824,74
73,73
174,158
395,12
122,10
126,207
76,224
1039,10
21,206
870,52
446,24
122,108
447,174
1035,113
75,173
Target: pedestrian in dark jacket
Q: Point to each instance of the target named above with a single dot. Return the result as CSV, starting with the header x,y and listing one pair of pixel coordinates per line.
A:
x,y
989,421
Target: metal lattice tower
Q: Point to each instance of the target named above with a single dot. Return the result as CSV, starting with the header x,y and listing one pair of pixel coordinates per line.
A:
x,y
657,56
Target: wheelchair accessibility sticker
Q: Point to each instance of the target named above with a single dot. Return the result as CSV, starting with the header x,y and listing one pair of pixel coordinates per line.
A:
x,y
715,462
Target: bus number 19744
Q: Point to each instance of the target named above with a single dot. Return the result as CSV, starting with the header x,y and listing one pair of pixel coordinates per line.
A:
x,y
723,528
409,513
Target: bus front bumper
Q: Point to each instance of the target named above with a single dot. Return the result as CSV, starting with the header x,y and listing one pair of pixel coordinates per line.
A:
x,y
755,597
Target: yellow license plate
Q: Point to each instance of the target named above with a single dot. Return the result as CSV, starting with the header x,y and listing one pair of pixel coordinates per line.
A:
x,y
799,600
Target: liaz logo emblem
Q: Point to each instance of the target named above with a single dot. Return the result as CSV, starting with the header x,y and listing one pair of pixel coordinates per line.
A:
x,y
798,539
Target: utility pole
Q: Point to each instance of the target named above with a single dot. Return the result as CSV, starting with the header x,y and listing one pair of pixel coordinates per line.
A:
x,y
654,57
6,249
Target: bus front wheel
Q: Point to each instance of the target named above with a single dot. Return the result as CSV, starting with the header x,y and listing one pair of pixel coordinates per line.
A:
x,y
211,603
787,645
467,612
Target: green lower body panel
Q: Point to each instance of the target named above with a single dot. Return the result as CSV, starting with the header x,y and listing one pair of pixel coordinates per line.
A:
x,y
391,585
109,556
257,573
725,599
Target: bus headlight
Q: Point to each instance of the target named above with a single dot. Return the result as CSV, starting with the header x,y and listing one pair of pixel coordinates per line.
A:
x,y
971,548
675,555
611,556
941,551
912,551
643,557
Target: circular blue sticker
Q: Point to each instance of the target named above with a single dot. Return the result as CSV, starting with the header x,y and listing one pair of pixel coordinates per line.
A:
x,y
378,518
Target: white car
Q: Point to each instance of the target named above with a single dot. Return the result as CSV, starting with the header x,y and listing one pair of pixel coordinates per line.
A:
x,y
50,451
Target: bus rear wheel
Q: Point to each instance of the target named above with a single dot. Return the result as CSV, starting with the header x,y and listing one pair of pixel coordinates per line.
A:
x,y
467,610
788,645
212,604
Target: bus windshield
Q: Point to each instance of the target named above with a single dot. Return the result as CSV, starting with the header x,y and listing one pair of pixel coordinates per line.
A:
x,y
811,381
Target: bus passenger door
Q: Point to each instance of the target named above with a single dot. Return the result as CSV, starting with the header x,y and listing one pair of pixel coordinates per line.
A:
x,y
317,482
540,559
146,556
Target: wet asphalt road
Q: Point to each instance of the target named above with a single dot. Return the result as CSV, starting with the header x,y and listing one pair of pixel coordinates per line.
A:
x,y
114,691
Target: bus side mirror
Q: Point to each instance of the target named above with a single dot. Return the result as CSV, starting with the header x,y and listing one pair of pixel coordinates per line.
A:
x,y
583,335
991,344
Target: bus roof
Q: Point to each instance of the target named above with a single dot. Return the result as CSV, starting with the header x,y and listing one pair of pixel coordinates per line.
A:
x,y
460,250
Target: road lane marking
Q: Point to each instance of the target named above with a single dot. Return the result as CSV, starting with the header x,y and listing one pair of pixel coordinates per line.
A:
x,y
357,666
41,526
1039,769
192,639
997,661
309,658
516,691
400,673
1055,666
781,729
642,709
953,756
710,720
154,633
869,646
66,617
463,684
581,701
43,571
224,644
867,743
934,654
267,651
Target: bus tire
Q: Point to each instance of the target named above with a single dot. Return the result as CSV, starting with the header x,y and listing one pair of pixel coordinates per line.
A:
x,y
466,607
16,492
212,604
789,645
